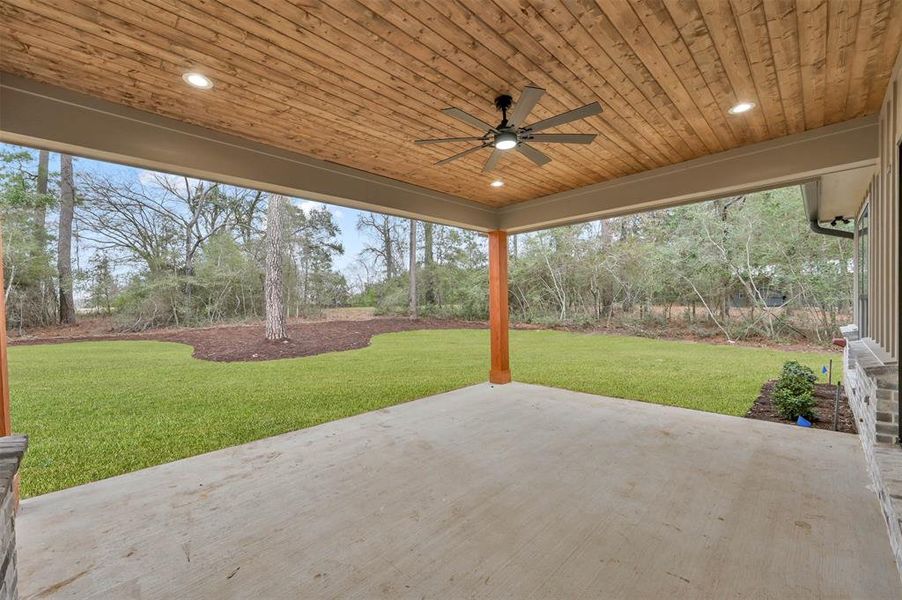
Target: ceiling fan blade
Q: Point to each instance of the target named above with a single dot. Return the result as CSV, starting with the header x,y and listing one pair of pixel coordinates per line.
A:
x,y
459,155
446,140
527,101
492,162
571,115
468,119
563,138
533,154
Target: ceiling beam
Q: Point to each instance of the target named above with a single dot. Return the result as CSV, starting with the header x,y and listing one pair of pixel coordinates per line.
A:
x,y
777,163
44,116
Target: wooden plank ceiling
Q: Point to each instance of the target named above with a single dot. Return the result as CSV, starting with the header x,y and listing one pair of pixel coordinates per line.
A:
x,y
355,81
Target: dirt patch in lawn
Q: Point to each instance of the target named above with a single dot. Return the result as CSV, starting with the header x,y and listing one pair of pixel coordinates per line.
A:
x,y
246,342
824,396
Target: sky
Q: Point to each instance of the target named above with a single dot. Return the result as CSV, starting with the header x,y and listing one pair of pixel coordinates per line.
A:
x,y
345,218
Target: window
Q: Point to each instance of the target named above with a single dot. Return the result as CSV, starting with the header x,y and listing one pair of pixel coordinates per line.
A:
x,y
862,271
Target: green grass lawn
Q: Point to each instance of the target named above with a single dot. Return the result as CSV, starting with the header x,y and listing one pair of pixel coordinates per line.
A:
x,y
97,409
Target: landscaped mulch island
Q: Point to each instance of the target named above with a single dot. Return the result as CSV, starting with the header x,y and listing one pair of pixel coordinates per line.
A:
x,y
824,395
232,343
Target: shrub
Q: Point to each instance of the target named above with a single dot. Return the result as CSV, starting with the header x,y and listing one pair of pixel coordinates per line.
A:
x,y
793,394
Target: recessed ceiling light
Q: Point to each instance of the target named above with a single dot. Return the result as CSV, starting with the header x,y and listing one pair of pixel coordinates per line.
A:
x,y
497,183
741,108
198,80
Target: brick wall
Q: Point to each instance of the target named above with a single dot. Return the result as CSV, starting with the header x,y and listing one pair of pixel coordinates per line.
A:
x,y
11,450
872,387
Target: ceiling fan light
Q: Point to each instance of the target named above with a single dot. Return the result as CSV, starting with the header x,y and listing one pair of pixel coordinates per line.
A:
x,y
497,183
505,140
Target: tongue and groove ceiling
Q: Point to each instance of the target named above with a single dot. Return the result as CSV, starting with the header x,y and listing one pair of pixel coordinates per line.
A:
x,y
355,82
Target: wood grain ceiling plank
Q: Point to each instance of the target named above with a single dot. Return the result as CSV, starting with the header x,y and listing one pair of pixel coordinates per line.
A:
x,y
608,81
887,47
812,25
645,108
472,93
643,45
526,172
450,19
688,18
864,63
550,23
659,24
412,127
253,100
223,113
355,81
434,30
354,57
150,95
718,18
751,22
408,98
532,37
842,27
262,85
519,50
225,116
781,27
612,43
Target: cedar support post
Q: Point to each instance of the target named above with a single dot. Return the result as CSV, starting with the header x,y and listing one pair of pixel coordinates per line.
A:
x,y
498,310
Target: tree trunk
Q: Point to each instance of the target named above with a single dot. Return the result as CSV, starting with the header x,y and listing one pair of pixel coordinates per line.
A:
x,y
428,261
40,210
413,269
274,285
64,240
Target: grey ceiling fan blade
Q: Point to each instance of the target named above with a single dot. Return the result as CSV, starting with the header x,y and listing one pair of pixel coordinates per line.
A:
x,y
533,154
563,138
571,115
525,103
468,119
446,140
492,162
459,155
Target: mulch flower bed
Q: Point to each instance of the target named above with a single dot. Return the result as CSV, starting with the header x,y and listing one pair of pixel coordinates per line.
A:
x,y
824,396
235,343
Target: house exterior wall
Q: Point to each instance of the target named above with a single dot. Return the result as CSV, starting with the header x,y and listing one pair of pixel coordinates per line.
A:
x,y
883,231
871,367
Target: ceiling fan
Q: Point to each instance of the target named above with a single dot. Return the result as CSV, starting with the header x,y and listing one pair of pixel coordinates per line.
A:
x,y
511,134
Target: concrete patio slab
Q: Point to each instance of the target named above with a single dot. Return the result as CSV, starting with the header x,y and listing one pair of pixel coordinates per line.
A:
x,y
515,491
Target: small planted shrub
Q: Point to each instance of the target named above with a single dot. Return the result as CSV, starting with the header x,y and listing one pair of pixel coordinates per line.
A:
x,y
793,393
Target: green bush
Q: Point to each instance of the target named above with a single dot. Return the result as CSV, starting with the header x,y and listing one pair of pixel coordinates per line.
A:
x,y
793,394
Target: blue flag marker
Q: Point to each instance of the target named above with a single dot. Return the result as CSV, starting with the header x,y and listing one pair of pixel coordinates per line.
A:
x,y
803,422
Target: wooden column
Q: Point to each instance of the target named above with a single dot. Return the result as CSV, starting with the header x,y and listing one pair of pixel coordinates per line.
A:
x,y
500,371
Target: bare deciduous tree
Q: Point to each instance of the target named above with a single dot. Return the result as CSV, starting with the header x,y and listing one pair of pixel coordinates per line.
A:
x,y
390,246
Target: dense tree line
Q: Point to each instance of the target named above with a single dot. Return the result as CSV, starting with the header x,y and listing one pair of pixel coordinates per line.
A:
x,y
151,249
739,268
158,250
